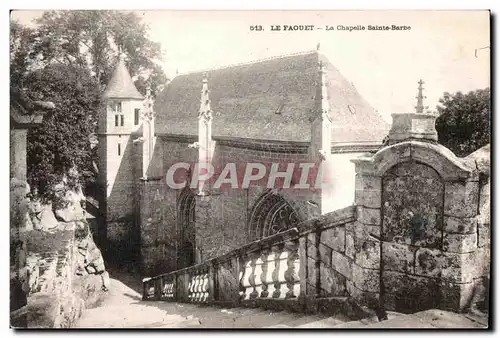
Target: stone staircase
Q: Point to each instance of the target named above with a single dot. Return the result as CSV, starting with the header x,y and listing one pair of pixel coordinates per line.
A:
x,y
124,308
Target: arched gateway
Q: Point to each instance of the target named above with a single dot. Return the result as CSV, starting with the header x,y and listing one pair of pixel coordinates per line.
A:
x,y
271,214
186,229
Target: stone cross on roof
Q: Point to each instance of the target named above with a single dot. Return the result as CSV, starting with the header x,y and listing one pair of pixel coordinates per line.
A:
x,y
420,98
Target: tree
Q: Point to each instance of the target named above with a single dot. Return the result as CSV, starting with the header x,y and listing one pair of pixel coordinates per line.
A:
x,y
62,140
94,39
464,121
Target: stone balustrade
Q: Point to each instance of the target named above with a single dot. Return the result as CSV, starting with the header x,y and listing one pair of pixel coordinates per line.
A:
x,y
264,269
280,271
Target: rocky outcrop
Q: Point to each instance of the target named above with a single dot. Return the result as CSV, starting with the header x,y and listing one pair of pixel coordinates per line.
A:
x,y
56,269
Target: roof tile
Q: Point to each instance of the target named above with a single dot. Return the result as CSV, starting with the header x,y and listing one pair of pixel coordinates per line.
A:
x,y
121,85
272,99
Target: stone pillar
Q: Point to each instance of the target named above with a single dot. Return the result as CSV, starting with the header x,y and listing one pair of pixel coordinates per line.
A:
x,y
18,153
21,119
148,132
320,148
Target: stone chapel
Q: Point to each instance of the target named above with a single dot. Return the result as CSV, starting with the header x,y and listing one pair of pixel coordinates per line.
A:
x,y
289,109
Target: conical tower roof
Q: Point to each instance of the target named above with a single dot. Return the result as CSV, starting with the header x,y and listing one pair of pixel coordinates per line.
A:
x,y
121,85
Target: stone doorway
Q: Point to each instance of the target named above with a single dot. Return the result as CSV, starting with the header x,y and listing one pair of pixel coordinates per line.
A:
x,y
186,237
412,235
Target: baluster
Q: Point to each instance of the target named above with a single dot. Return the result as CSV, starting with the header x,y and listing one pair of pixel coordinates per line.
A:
x,y
158,288
276,250
191,287
291,273
199,287
145,290
164,289
253,276
212,281
245,275
196,287
206,286
238,267
303,267
264,276
174,287
186,286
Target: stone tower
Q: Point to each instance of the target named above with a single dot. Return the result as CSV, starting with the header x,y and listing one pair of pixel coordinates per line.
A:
x,y
120,119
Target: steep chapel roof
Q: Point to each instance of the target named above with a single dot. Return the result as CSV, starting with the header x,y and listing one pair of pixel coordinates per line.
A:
x,y
273,99
121,85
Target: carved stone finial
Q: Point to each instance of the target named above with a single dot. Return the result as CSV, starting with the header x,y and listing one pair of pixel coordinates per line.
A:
x,y
205,110
420,98
418,125
325,105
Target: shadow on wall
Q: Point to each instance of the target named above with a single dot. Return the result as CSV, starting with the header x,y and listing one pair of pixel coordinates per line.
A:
x,y
122,210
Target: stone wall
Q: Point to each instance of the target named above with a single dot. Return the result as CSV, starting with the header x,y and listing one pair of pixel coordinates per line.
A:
x,y
221,222
56,268
418,217
121,205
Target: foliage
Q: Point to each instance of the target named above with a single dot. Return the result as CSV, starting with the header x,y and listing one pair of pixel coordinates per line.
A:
x,y
68,59
21,56
464,122
93,39
61,141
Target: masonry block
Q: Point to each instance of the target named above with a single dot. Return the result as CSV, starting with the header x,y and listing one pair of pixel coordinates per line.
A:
x,y
411,293
462,267
460,243
342,264
311,271
363,298
484,235
368,215
311,249
368,191
366,231
484,203
332,282
398,257
461,199
366,279
456,296
334,238
325,254
392,154
428,262
367,253
349,245
459,225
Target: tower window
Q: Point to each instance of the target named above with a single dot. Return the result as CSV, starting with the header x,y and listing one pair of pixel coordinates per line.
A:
x,y
116,107
119,149
136,116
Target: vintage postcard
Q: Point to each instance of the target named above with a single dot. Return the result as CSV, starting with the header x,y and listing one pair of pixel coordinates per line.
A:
x,y
250,169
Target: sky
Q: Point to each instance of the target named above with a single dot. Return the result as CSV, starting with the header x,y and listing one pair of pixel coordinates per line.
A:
x,y
385,66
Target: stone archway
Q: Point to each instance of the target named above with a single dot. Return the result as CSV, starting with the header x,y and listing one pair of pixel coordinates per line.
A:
x,y
186,236
271,214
